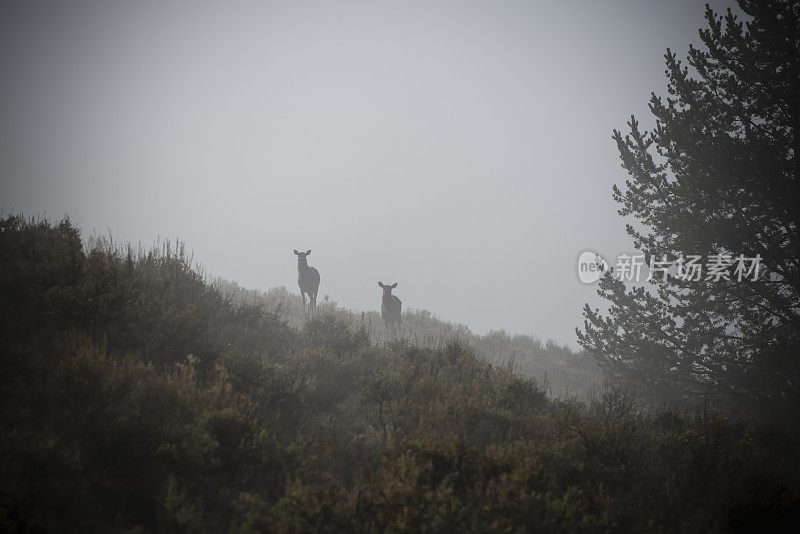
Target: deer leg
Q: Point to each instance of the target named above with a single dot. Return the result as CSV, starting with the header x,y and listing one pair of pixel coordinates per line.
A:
x,y
303,296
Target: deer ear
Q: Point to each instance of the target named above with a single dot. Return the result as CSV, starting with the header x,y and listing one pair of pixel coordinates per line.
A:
x,y
394,285
296,253
380,284
308,252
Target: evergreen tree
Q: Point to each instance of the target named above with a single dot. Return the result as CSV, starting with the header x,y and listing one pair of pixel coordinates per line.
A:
x,y
718,175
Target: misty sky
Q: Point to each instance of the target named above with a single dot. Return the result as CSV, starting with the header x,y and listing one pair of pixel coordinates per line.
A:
x,y
461,149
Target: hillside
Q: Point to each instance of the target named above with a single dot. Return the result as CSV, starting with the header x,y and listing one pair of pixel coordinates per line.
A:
x,y
137,396
563,371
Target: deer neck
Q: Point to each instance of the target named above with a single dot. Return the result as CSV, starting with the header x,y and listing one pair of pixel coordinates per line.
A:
x,y
302,265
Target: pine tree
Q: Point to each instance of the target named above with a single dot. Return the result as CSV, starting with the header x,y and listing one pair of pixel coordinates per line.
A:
x,y
718,174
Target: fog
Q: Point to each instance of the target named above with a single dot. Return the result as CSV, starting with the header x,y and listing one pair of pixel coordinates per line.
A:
x,y
460,149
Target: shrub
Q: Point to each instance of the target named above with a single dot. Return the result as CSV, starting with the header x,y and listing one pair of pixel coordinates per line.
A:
x,y
134,395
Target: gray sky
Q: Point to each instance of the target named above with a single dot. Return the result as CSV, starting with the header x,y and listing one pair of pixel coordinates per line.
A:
x,y
461,149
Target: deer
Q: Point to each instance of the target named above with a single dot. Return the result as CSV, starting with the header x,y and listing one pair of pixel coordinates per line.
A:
x,y
391,309
308,280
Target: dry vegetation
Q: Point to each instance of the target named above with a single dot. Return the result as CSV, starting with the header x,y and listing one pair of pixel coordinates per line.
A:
x,y
560,370
136,396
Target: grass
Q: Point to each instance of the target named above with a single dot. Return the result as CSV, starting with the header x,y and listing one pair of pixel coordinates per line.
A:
x,y
135,395
564,371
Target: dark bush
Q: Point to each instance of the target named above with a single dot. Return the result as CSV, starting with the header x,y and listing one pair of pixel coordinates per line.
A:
x,y
135,396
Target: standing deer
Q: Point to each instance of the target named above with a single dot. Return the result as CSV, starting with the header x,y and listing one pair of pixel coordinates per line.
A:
x,y
308,280
391,310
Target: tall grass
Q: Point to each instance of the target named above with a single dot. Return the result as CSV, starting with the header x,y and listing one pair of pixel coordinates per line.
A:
x,y
567,372
135,395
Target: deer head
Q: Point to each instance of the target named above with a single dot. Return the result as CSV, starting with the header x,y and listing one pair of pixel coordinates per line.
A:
x,y
302,257
387,289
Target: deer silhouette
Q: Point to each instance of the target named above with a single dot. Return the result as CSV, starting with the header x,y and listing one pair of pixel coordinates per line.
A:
x,y
391,310
308,280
